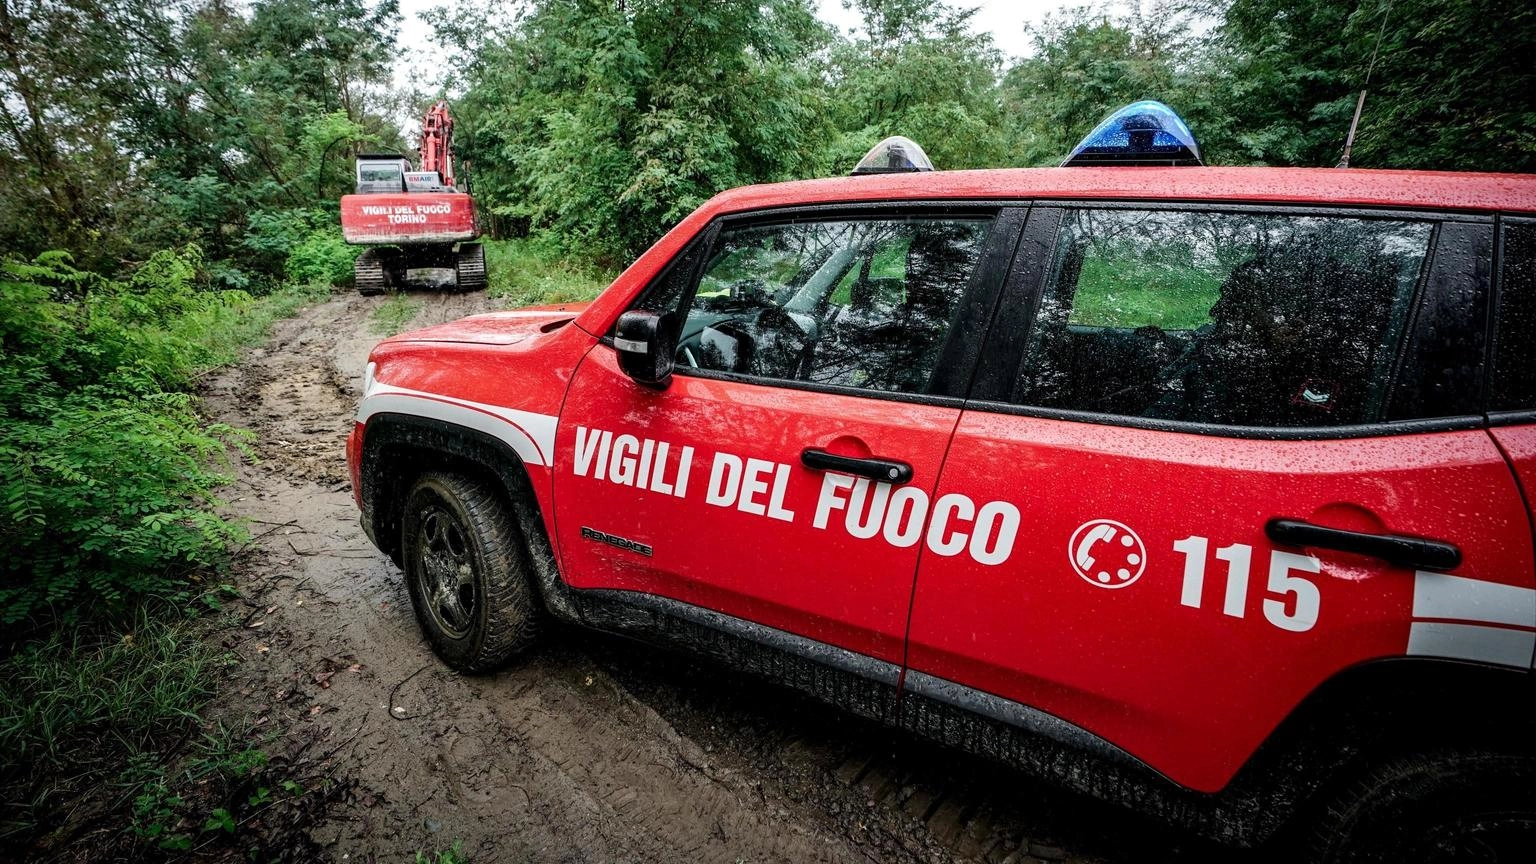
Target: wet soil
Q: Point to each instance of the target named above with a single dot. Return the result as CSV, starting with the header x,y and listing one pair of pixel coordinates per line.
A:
x,y
589,748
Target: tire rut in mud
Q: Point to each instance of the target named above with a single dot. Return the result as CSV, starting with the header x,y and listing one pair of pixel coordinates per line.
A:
x,y
589,748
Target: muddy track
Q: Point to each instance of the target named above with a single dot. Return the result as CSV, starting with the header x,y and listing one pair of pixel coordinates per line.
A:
x,y
590,748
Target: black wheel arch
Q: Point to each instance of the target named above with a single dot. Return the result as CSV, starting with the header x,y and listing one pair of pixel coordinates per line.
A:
x,y
398,448
1374,712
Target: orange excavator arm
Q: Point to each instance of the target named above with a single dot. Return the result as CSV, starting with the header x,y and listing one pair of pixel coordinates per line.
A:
x,y
437,142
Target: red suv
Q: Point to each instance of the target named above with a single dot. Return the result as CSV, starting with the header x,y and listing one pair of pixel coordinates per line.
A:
x,y
1200,489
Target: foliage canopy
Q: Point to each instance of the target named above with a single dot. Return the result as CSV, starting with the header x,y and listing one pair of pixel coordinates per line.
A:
x,y
598,123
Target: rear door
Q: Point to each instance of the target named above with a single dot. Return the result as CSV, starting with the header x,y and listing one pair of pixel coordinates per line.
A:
x,y
820,349
1184,422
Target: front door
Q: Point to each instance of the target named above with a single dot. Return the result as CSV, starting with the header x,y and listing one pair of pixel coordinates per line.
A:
x,y
1194,435
812,364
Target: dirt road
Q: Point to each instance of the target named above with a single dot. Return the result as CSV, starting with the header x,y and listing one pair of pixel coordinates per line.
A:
x,y
590,748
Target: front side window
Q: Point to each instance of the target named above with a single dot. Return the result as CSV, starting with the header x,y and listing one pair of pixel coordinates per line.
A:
x,y
1246,319
862,303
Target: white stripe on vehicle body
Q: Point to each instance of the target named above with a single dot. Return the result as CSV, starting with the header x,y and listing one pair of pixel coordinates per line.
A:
x,y
1473,620
1499,645
530,435
1438,595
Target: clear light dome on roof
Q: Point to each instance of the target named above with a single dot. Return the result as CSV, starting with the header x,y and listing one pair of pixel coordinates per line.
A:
x,y
894,155
1141,133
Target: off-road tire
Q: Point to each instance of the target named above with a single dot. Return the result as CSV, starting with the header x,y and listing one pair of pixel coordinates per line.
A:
x,y
1437,809
368,273
503,615
470,266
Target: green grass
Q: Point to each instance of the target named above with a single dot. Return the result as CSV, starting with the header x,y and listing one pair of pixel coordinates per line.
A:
x,y
452,855
526,272
95,699
890,262
87,711
1134,292
394,314
224,330
90,688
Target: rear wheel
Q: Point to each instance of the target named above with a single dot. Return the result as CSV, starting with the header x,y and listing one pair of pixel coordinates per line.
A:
x,y
467,571
368,273
1466,808
471,267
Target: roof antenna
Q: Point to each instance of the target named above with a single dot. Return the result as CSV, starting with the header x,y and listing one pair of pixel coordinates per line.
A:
x,y
1349,141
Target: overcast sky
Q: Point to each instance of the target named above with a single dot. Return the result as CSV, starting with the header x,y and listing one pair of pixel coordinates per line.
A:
x,y
1004,19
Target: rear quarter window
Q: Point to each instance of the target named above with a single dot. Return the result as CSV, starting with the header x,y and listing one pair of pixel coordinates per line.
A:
x,y
1514,356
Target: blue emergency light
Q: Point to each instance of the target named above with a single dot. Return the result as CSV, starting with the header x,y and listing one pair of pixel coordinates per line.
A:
x,y
1141,133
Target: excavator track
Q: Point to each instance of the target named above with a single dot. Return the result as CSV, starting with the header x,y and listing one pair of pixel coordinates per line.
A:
x,y
368,273
471,267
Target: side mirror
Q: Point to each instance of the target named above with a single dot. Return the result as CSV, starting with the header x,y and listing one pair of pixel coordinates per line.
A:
x,y
647,346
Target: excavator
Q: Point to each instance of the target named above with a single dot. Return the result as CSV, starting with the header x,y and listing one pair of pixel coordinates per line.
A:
x,y
413,219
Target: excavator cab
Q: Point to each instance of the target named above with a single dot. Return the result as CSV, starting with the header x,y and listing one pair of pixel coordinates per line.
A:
x,y
381,173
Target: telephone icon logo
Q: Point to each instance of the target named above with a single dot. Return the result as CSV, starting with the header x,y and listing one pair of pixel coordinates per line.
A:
x,y
1107,553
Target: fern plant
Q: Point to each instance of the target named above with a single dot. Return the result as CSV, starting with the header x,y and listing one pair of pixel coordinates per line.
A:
x,y
107,473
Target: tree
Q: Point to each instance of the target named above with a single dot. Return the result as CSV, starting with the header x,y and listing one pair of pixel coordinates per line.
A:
x,y
917,69
140,125
59,153
606,122
1452,84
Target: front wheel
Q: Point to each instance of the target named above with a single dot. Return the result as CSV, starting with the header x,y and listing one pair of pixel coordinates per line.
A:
x,y
1453,808
467,571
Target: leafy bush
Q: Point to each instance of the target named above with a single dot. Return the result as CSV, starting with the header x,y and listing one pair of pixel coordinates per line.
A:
x,y
107,495
304,244
107,474
323,257
529,271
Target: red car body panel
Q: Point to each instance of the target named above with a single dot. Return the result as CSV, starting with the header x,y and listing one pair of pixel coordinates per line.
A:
x,y
1188,681
476,373
1193,690
1518,444
416,217
495,328
742,554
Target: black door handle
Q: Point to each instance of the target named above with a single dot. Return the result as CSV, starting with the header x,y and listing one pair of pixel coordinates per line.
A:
x,y
1416,552
875,468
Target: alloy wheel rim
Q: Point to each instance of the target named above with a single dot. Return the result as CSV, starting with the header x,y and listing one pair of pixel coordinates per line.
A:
x,y
446,574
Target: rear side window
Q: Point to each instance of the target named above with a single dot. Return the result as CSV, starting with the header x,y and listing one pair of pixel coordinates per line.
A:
x,y
862,303
1245,319
1514,361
